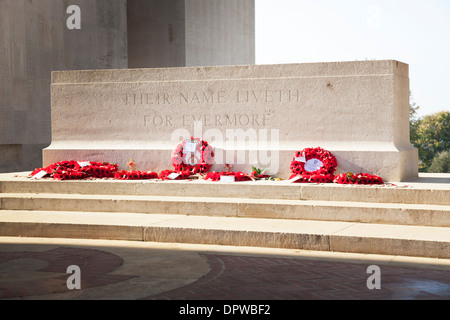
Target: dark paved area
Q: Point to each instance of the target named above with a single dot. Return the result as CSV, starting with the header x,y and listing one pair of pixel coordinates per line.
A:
x,y
36,269
255,278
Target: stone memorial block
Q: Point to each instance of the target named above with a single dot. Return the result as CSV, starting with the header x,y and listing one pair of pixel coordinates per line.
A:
x,y
253,115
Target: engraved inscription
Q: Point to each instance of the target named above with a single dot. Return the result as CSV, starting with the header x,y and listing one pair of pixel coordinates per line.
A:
x,y
176,117
211,97
209,120
202,97
249,96
147,99
158,121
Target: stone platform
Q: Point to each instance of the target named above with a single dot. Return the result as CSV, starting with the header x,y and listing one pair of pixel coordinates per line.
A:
x,y
409,219
252,115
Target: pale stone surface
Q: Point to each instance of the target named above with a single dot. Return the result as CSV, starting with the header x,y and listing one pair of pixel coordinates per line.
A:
x,y
403,222
418,241
407,214
395,239
420,191
253,115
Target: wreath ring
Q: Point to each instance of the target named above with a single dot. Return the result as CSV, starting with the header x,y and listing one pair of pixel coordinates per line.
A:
x,y
313,161
198,158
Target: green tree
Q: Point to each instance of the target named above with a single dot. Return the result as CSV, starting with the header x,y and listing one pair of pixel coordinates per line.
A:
x,y
413,108
431,135
441,163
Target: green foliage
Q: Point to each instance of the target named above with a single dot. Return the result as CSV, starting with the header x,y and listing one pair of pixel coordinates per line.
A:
x,y
413,108
431,135
441,163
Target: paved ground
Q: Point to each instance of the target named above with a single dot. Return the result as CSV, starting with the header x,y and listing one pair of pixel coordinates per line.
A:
x,y
36,268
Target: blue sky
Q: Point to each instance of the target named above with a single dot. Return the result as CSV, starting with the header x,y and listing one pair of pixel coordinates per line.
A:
x,y
415,32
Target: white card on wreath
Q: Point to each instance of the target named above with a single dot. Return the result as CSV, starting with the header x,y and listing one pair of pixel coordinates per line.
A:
x,y
301,159
189,147
313,165
173,176
227,178
40,174
84,163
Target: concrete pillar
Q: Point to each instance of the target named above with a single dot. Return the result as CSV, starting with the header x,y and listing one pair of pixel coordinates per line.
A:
x,y
34,40
156,33
178,33
116,34
220,32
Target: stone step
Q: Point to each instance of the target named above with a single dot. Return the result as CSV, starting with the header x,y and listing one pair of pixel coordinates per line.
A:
x,y
412,193
366,212
404,193
418,241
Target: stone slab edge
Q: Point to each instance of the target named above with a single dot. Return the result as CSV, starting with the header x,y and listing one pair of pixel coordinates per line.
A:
x,y
319,242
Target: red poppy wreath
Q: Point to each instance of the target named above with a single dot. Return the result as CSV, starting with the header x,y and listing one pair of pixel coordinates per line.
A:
x,y
135,175
361,178
75,170
313,161
194,155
